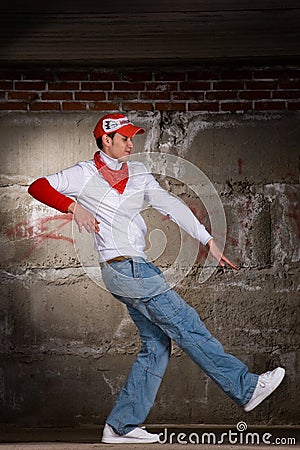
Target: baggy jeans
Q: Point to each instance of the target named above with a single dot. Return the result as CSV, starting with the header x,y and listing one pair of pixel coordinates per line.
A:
x,y
160,315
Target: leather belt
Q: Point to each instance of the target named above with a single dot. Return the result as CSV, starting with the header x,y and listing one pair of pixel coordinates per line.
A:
x,y
116,259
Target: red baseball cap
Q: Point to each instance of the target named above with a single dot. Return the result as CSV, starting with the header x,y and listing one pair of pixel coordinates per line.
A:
x,y
116,122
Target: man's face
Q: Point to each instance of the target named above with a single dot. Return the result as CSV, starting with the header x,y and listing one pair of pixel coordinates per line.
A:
x,y
118,147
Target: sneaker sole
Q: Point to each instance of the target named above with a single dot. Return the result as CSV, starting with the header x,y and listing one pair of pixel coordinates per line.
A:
x,y
122,440
263,397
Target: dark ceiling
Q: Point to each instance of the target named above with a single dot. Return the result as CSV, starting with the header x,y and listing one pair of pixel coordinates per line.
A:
x,y
149,32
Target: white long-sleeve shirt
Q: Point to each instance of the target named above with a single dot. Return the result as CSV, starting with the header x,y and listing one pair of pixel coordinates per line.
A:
x,y
122,228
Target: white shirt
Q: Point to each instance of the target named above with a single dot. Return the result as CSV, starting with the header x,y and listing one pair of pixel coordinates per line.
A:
x,y
122,228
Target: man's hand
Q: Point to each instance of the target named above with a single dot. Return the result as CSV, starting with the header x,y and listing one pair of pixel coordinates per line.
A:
x,y
83,218
219,256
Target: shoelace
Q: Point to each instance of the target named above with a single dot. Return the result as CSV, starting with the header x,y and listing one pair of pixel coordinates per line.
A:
x,y
263,382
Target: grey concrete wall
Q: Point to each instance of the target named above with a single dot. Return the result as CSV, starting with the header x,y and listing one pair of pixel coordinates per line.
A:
x,y
67,345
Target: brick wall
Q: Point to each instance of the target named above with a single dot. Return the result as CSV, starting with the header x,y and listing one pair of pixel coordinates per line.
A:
x,y
216,90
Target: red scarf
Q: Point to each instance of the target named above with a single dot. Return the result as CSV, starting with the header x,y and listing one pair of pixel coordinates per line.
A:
x,y
116,178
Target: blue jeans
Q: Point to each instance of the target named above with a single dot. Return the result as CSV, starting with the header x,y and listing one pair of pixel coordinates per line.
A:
x,y
160,318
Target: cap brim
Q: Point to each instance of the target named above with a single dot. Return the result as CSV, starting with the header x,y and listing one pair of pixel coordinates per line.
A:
x,y
130,130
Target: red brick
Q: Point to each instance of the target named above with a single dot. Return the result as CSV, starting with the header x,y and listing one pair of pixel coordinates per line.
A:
x,y
203,75
254,95
168,106
119,96
61,86
268,74
228,85
137,106
73,106
286,94
285,74
8,106
290,84
293,106
236,75
2,95
127,86
5,85
257,85
44,106
10,75
161,86
137,76
188,95
292,72
236,106
104,106
20,95
79,75
269,106
96,86
30,85
155,95
89,95
194,86
170,76
221,95
57,95
39,75
203,106
103,75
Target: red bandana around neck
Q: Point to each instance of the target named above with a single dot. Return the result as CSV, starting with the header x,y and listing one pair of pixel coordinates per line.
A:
x,y
116,178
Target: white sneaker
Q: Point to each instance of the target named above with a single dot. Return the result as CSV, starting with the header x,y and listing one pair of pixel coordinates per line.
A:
x,y
267,383
136,436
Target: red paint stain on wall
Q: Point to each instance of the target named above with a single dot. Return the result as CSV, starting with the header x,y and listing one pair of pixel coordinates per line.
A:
x,y
240,166
39,230
294,210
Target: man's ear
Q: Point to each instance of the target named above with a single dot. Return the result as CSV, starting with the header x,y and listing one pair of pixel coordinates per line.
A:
x,y
105,140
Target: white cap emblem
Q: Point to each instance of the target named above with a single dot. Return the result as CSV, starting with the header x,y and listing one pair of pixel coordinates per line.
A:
x,y
110,125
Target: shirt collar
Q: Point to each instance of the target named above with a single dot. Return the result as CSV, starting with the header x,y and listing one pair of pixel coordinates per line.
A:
x,y
112,163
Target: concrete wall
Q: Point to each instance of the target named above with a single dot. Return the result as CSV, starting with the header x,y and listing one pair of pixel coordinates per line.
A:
x,y
67,345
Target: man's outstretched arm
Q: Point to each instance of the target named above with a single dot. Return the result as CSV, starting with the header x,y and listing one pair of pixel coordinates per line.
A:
x,y
42,191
